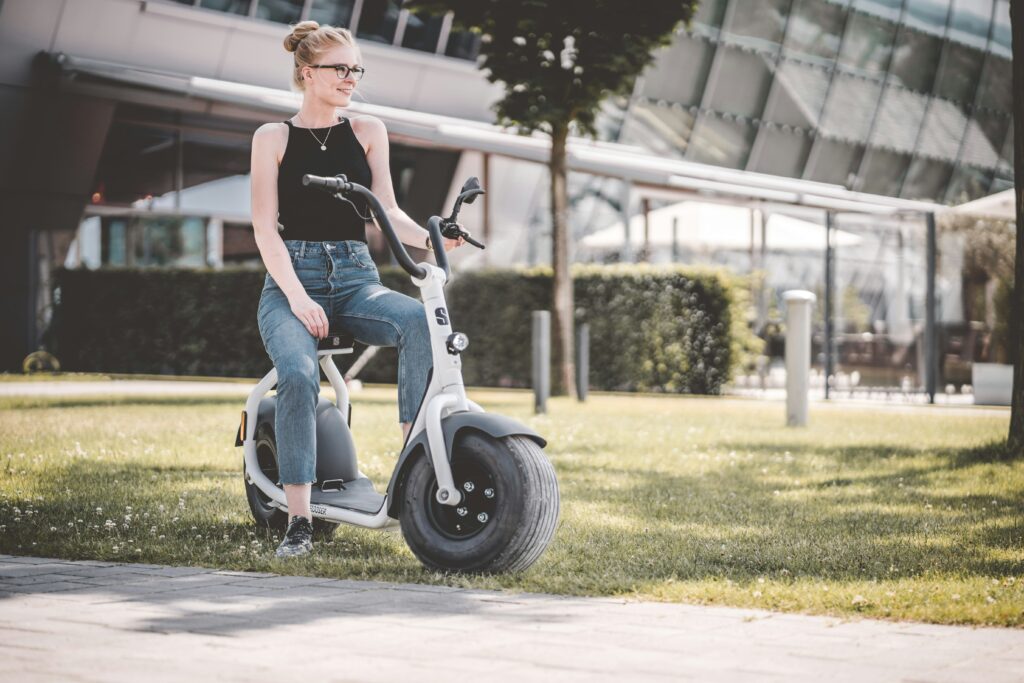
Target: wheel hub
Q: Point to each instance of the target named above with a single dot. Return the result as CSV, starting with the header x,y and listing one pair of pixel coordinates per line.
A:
x,y
475,511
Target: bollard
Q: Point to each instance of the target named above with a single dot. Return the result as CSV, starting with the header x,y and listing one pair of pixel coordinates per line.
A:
x,y
799,304
541,360
583,361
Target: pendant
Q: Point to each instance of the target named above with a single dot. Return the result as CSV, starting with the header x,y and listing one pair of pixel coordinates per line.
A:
x,y
323,148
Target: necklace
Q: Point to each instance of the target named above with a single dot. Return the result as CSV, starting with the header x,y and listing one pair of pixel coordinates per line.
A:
x,y
323,145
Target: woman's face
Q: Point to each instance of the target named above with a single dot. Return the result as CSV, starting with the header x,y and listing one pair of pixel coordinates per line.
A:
x,y
326,84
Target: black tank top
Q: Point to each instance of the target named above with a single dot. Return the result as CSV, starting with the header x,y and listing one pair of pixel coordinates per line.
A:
x,y
310,214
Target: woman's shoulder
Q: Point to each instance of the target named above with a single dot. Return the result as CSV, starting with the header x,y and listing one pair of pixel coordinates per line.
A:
x,y
366,123
272,136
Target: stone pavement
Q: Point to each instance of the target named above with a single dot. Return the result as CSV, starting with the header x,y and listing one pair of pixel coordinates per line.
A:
x,y
100,621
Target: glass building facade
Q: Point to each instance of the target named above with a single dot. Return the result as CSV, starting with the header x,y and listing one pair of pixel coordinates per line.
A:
x,y
905,98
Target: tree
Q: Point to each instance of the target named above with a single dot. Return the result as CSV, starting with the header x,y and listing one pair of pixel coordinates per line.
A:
x,y
558,60
1015,440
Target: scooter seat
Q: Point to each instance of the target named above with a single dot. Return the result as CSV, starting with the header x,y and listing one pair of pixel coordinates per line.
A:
x,y
335,342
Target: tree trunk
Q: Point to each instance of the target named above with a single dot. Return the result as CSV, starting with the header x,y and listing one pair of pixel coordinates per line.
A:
x,y
562,291
1016,437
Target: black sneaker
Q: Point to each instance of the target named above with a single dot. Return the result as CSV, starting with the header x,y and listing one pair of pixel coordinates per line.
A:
x,y
298,540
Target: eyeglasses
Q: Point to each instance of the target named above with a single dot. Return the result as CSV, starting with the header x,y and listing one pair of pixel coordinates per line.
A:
x,y
342,70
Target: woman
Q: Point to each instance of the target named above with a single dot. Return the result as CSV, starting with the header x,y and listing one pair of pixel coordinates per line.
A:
x,y
320,275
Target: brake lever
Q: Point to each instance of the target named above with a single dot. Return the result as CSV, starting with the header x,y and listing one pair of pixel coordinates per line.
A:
x,y
450,229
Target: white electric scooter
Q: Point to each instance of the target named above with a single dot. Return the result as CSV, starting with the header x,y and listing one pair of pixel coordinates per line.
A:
x,y
472,491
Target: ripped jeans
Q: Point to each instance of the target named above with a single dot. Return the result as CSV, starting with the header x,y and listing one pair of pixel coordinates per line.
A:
x,y
342,278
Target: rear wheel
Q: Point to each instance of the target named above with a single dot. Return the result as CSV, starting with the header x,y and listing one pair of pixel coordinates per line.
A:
x,y
508,511
263,511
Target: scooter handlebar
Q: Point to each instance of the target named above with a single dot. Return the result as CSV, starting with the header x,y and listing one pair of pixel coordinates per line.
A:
x,y
340,184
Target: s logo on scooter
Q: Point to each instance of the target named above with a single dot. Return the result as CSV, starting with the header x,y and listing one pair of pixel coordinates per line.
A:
x,y
441,316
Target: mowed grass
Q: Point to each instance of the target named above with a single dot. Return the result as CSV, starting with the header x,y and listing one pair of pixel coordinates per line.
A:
x,y
886,512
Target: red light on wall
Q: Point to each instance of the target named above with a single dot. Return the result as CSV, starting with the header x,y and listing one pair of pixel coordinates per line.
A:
x,y
97,197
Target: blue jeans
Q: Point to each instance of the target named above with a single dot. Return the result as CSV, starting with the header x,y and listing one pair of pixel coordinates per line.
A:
x,y
342,278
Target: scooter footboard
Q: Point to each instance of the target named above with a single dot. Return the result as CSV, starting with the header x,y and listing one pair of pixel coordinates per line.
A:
x,y
494,425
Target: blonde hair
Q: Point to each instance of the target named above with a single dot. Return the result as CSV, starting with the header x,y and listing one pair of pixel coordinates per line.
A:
x,y
308,40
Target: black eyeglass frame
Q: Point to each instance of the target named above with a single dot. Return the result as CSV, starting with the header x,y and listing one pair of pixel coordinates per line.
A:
x,y
357,71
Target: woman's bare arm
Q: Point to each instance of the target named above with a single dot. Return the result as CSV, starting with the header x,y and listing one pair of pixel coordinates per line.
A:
x,y
267,148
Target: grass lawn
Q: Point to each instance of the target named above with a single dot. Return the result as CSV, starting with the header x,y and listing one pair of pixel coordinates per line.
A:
x,y
885,512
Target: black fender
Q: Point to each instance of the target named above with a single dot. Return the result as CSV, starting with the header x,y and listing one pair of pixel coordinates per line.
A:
x,y
488,423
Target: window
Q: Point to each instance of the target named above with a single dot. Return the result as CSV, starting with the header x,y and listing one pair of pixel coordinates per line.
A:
x,y
281,11
968,183
850,107
915,59
984,139
834,162
378,20
333,12
758,24
664,80
943,129
928,16
868,44
959,75
230,6
883,172
815,30
797,95
422,31
926,179
662,130
463,45
742,83
781,153
970,22
996,88
898,120
722,143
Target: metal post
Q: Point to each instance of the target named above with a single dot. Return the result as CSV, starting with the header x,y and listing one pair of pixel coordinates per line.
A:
x,y
645,206
799,304
541,360
829,294
930,370
675,239
627,199
583,361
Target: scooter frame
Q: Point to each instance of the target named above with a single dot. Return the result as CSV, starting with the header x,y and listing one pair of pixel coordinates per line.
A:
x,y
445,395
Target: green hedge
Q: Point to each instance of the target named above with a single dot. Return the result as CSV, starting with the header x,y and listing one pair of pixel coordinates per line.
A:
x,y
652,328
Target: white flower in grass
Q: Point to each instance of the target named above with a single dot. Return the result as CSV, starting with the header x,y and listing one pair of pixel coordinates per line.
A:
x,y
858,600
161,537
519,40
53,528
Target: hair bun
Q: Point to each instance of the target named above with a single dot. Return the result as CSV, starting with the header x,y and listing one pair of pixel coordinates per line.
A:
x,y
299,32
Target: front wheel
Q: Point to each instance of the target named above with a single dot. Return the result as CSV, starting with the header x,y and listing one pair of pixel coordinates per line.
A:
x,y
508,512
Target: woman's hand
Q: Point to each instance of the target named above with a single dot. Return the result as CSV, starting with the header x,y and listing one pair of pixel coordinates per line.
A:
x,y
452,244
311,314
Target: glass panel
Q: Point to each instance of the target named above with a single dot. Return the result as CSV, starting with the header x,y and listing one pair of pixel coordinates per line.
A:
x,y
943,129
927,180
915,59
984,139
230,6
742,83
927,15
781,153
883,172
899,119
970,22
959,75
868,44
884,9
850,107
332,12
1006,156
710,14
721,142
996,88
834,162
282,11
666,81
797,95
114,242
463,45
662,130
968,183
378,20
1001,43
815,30
422,31
758,24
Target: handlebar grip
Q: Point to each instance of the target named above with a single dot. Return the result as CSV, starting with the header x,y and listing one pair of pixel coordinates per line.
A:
x,y
334,185
473,242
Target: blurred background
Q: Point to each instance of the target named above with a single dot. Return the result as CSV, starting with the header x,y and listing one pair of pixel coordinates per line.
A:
x,y
860,149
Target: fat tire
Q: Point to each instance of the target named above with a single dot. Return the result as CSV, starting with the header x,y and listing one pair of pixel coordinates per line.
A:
x,y
524,521
272,517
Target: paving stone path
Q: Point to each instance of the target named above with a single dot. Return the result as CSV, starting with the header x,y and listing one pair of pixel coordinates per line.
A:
x,y
100,621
